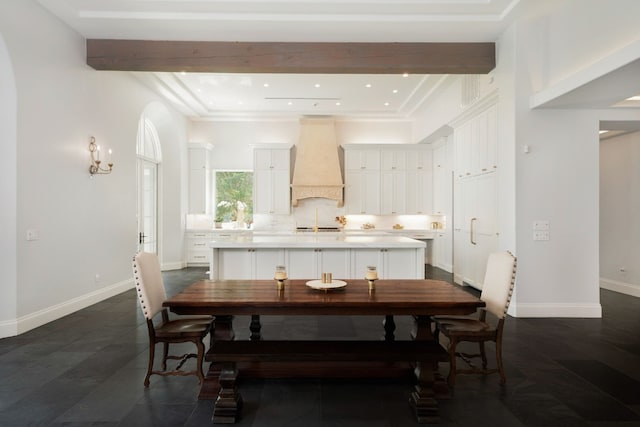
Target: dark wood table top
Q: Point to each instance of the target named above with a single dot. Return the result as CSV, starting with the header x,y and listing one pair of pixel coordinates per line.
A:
x,y
390,297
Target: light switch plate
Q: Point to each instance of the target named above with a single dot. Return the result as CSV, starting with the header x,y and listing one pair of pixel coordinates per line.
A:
x,y
540,225
32,234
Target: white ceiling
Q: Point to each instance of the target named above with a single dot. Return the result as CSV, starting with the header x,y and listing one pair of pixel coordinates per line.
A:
x,y
240,95
201,95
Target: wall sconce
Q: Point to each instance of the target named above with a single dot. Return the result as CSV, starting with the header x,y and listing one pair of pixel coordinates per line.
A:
x,y
95,167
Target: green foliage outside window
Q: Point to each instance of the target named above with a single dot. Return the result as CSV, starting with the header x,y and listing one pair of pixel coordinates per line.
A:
x,y
231,188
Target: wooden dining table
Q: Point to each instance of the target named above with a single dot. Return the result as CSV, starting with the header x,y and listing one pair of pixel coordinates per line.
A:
x,y
231,357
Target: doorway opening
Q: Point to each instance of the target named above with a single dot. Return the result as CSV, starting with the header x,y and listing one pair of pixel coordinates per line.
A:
x,y
148,162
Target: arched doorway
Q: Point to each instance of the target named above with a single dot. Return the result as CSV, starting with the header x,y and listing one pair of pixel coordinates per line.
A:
x,y
149,157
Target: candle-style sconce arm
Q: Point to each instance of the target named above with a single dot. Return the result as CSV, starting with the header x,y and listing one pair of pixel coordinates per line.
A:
x,y
96,166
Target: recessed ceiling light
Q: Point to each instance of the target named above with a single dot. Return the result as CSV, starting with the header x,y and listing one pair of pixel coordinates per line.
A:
x,y
266,85
239,102
289,103
367,85
338,103
386,104
405,75
634,98
317,85
395,91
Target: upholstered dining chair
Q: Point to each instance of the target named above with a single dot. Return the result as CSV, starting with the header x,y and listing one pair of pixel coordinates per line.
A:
x,y
496,293
151,294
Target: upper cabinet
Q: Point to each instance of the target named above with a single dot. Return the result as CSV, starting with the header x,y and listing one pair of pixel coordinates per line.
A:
x,y
200,178
388,179
272,179
476,144
419,181
362,180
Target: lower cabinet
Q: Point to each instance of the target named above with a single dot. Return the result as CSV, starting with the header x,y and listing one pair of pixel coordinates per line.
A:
x,y
443,251
390,263
197,244
310,263
248,264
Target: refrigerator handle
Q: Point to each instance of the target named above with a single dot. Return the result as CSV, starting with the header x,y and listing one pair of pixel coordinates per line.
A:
x,y
472,233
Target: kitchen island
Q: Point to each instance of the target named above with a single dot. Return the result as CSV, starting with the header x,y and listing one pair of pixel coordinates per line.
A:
x,y
308,255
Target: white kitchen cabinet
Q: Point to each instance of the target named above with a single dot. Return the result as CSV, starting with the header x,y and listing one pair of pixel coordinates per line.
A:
x,y
393,181
443,204
392,263
393,192
475,233
442,181
361,158
200,181
443,250
388,179
362,181
307,257
248,263
476,144
272,180
197,246
311,263
419,187
476,230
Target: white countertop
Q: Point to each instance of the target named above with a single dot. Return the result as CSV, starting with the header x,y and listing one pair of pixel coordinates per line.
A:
x,y
415,233
319,240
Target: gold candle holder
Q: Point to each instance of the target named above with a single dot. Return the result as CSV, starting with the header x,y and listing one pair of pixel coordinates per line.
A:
x,y
280,276
371,276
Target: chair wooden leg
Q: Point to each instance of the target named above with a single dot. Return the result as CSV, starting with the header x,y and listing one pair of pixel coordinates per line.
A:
x,y
152,352
200,346
452,361
503,378
165,355
483,355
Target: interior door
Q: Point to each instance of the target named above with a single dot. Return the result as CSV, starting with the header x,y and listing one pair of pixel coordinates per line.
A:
x,y
147,206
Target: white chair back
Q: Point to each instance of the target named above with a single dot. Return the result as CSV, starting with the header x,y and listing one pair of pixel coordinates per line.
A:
x,y
149,286
498,283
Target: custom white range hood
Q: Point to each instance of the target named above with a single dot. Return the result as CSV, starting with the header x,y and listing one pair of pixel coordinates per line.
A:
x,y
317,167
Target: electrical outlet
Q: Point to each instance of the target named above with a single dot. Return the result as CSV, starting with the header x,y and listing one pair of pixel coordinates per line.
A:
x,y
33,234
540,235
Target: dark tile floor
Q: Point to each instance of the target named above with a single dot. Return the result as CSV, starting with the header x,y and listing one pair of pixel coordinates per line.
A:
x,y
88,368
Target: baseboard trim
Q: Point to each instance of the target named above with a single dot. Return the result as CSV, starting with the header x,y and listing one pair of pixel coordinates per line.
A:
x,y
446,267
41,317
555,310
8,328
621,287
177,265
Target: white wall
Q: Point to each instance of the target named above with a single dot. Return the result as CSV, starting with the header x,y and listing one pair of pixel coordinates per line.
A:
x,y
232,140
571,34
86,226
619,213
8,167
558,180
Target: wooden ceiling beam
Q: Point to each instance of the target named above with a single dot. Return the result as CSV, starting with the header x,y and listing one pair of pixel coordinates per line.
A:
x,y
281,57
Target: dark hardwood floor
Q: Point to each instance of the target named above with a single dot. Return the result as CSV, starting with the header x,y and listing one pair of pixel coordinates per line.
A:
x,y
88,368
